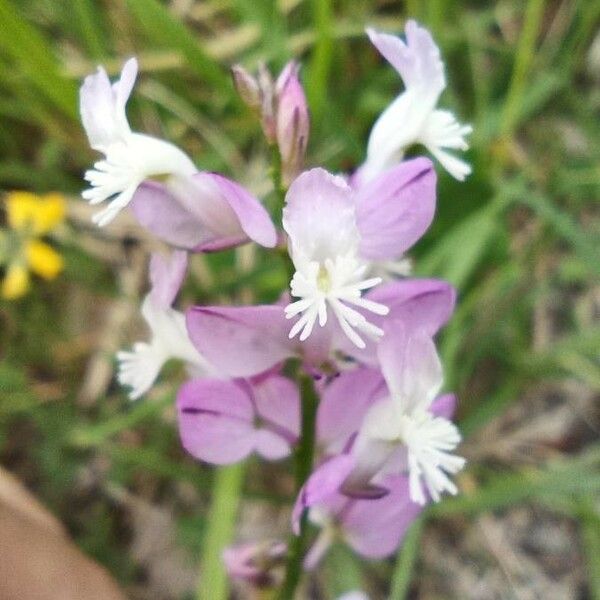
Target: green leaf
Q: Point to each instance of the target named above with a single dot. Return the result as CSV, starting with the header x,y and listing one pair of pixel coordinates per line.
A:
x,y
34,59
165,30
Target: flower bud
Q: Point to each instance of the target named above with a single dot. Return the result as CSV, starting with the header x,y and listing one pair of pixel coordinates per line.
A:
x,y
292,121
246,87
260,564
267,92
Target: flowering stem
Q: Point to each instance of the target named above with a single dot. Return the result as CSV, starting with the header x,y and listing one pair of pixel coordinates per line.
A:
x,y
227,489
304,460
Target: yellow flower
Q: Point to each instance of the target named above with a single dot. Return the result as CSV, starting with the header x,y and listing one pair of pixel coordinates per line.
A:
x,y
38,214
29,217
43,260
15,282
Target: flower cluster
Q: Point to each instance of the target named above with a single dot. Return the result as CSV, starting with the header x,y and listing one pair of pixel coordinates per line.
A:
x,y
30,219
385,442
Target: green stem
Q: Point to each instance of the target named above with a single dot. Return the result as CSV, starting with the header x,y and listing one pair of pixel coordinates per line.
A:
x,y
213,583
405,563
278,187
304,461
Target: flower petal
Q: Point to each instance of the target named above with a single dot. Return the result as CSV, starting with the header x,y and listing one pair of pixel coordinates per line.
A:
x,y
395,209
417,61
322,485
277,401
444,406
419,303
215,420
344,404
252,218
240,341
157,210
166,276
319,217
375,528
410,365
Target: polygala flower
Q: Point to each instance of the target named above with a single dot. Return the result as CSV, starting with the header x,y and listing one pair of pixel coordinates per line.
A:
x,y
320,220
405,419
22,249
397,422
139,368
335,232
198,211
372,526
129,157
412,118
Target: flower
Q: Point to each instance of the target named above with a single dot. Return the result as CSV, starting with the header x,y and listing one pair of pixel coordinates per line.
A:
x,y
412,118
29,217
335,231
130,157
139,368
405,419
222,422
260,564
168,195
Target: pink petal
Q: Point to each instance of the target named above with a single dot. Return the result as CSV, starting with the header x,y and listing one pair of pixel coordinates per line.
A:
x,y
319,215
253,219
156,209
410,364
322,486
418,303
344,404
204,213
395,209
166,276
215,420
425,304
270,445
375,528
240,341
277,401
444,406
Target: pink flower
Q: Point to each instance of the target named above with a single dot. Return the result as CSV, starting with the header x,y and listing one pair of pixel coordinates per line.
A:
x,y
260,564
139,368
412,118
189,209
223,422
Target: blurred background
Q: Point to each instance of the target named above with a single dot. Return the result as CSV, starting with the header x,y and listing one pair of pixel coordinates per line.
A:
x,y
520,239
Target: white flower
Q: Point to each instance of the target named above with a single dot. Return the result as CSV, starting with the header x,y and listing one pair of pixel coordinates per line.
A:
x,y
130,157
407,429
320,220
140,367
412,118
